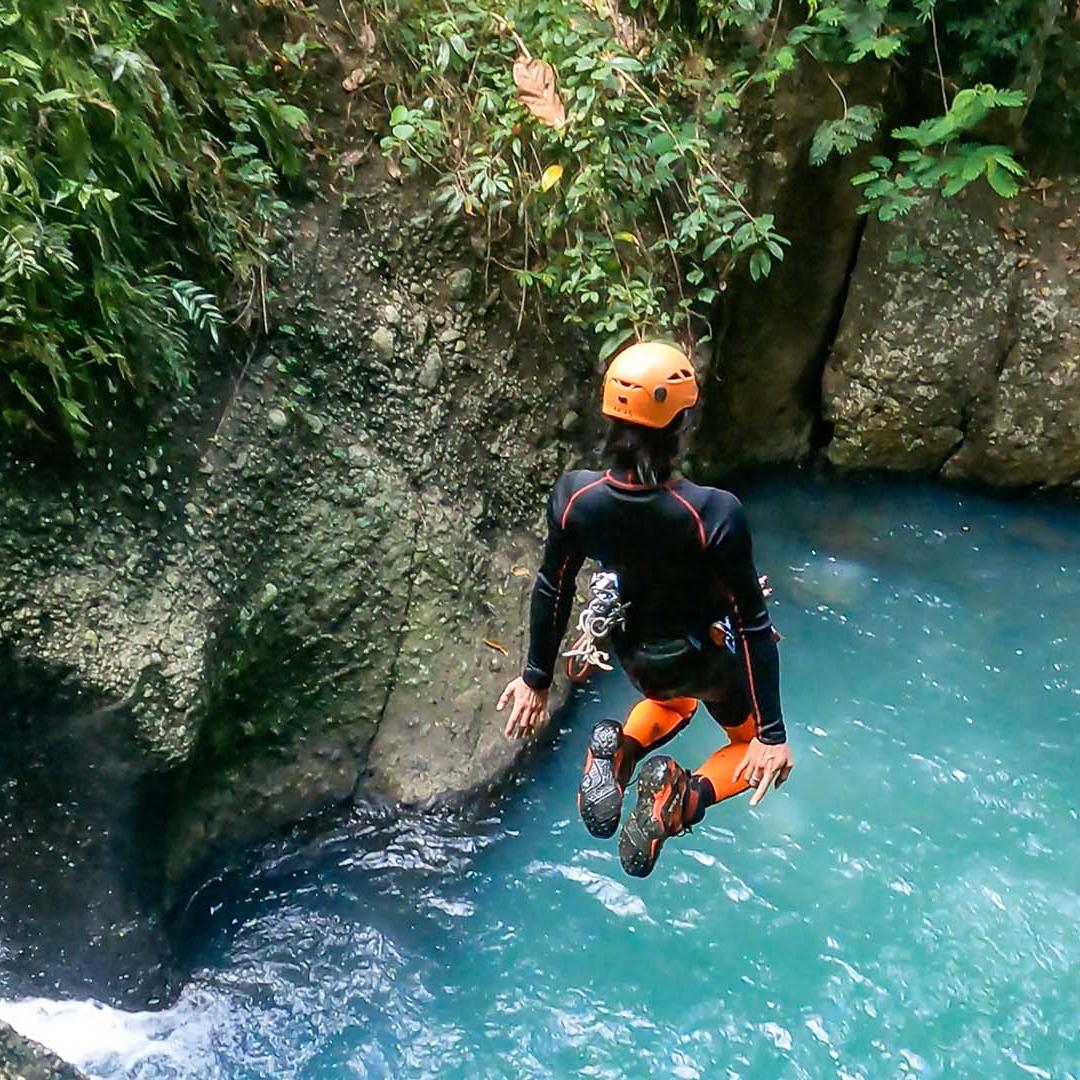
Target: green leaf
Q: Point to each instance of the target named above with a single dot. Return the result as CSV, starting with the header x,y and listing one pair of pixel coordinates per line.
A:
x,y
659,144
292,115
713,246
20,60
74,411
954,186
1003,157
1002,183
53,96
613,342
841,136
21,385
760,265
164,10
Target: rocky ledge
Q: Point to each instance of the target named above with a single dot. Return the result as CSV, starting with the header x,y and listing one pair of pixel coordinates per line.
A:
x,y
21,1059
307,584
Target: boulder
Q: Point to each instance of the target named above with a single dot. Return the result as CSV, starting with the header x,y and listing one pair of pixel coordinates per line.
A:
x,y
22,1059
965,364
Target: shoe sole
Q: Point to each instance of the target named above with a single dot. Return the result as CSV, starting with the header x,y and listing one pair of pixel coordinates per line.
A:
x,y
650,822
599,795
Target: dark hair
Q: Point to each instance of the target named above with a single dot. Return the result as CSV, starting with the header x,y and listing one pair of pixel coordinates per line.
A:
x,y
647,452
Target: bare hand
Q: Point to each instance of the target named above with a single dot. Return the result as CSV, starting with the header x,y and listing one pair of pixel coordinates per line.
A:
x,y
529,712
762,764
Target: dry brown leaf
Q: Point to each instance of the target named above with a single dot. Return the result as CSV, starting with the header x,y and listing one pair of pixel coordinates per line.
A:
x,y
496,646
535,80
355,79
393,168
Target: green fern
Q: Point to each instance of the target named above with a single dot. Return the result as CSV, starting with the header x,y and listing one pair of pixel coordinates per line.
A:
x,y
111,206
858,124
198,306
18,255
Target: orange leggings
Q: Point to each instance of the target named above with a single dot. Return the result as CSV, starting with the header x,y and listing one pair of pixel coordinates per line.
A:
x,y
652,723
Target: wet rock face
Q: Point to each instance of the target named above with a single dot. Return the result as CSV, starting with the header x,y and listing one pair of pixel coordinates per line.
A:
x,y
281,600
965,365
21,1059
763,397
78,815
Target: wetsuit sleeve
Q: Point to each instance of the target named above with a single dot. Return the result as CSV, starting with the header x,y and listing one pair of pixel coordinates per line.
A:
x,y
553,593
729,543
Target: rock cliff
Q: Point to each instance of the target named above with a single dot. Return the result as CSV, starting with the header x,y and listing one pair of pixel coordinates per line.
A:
x,y
311,591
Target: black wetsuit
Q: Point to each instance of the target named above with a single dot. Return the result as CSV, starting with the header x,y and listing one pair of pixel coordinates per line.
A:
x,y
683,557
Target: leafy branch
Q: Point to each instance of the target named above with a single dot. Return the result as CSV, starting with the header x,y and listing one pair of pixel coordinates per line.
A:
x,y
580,139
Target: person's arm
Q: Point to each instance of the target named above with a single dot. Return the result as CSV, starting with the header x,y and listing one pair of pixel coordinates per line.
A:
x,y
755,640
549,612
552,595
767,758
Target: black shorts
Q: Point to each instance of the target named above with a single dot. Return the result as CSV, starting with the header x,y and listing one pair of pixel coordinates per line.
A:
x,y
682,667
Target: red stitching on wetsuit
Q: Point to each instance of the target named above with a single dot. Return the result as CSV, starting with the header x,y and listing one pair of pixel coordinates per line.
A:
x,y
626,485
753,691
749,666
696,515
580,491
559,586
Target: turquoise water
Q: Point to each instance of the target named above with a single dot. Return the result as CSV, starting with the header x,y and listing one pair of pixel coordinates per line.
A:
x,y
909,905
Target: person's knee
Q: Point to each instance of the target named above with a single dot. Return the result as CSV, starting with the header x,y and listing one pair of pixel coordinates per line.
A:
x,y
684,706
651,721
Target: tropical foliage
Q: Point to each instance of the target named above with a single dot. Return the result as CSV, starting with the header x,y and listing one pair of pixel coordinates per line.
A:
x,y
138,175
604,182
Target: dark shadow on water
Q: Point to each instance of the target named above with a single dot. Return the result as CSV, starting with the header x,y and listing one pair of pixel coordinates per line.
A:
x,y
386,867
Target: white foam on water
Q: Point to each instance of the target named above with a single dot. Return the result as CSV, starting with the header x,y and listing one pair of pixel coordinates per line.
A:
x,y
106,1042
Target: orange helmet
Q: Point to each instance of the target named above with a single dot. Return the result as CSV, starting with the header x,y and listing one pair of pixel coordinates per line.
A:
x,y
649,383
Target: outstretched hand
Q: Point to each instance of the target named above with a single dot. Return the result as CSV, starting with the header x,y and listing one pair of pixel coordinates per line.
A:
x,y
762,764
529,712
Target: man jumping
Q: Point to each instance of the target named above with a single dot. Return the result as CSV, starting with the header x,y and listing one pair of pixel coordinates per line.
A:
x,y
696,626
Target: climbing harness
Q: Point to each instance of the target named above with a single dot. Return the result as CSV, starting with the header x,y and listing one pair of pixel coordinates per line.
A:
x,y
604,612
723,633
